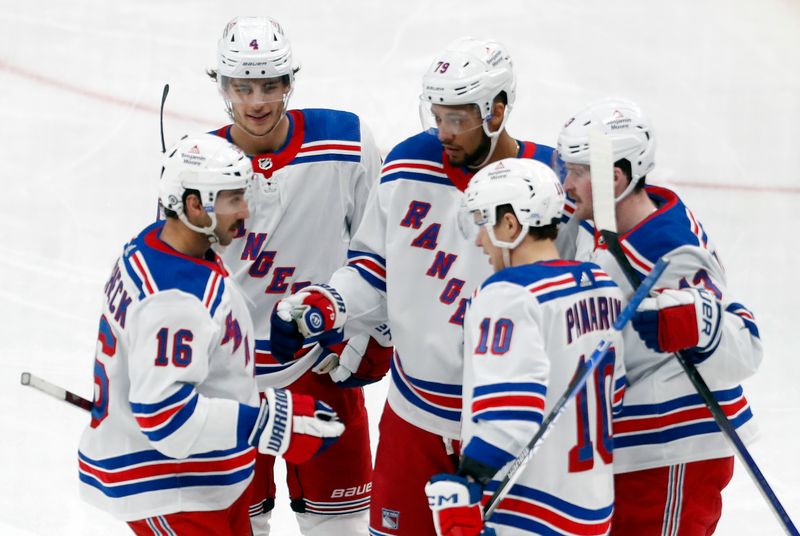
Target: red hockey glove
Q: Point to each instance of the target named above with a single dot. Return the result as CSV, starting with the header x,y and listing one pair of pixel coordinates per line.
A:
x,y
294,426
456,506
675,320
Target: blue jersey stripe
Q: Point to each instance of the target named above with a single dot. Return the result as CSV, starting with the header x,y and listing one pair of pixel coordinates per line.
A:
x,y
509,387
177,420
680,432
335,157
169,482
179,395
679,403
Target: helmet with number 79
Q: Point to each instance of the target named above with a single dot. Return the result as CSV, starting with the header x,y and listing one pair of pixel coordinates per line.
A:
x,y
470,71
206,165
629,130
531,189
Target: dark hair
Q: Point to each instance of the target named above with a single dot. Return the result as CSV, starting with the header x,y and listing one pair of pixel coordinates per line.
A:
x,y
625,166
186,193
545,232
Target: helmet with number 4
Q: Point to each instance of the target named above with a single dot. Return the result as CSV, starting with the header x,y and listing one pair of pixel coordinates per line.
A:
x,y
208,165
629,130
254,47
530,187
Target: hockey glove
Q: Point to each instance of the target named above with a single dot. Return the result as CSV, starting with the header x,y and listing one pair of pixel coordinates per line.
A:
x,y
362,360
685,320
456,506
312,311
294,426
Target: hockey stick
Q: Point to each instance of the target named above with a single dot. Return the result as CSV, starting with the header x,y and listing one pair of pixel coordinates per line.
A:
x,y
602,171
55,391
161,116
576,384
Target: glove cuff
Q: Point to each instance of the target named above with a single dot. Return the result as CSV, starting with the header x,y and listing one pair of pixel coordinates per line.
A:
x,y
273,429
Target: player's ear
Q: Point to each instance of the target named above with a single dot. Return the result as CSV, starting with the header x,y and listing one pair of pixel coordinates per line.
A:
x,y
620,181
498,109
192,205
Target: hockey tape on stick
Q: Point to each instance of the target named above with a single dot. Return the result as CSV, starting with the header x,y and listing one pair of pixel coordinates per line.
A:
x,y
55,391
604,213
577,383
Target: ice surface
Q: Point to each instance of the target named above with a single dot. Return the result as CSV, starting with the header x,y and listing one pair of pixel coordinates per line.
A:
x,y
80,158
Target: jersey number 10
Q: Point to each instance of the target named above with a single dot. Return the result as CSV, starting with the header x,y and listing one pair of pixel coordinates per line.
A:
x,y
581,456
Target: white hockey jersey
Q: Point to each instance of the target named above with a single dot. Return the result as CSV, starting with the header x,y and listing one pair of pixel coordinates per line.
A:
x,y
664,421
412,262
175,396
525,333
308,200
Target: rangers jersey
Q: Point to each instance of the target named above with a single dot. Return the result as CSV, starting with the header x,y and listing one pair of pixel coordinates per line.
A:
x,y
413,262
526,332
664,421
175,398
307,202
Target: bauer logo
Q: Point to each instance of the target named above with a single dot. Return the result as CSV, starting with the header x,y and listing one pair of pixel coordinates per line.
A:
x,y
390,519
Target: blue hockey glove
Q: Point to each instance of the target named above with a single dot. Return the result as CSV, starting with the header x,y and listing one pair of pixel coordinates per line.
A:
x,y
312,311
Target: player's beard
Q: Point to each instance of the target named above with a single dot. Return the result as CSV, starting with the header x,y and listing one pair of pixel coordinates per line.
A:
x,y
476,157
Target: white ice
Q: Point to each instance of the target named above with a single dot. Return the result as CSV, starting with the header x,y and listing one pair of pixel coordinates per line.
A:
x,y
79,162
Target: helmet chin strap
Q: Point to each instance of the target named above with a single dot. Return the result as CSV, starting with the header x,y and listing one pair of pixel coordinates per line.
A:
x,y
493,136
507,247
628,189
209,230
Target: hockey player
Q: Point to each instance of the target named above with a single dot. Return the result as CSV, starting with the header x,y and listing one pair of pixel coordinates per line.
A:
x,y
412,262
314,169
526,332
176,412
671,460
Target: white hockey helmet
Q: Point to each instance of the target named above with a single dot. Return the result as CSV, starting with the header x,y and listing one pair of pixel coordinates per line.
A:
x,y
254,47
530,187
207,164
469,71
630,131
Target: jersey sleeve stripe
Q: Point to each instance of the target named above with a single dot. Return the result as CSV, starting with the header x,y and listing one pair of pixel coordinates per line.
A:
x,y
746,316
160,430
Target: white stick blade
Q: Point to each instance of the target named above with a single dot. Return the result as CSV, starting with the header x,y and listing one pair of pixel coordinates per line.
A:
x,y
602,168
